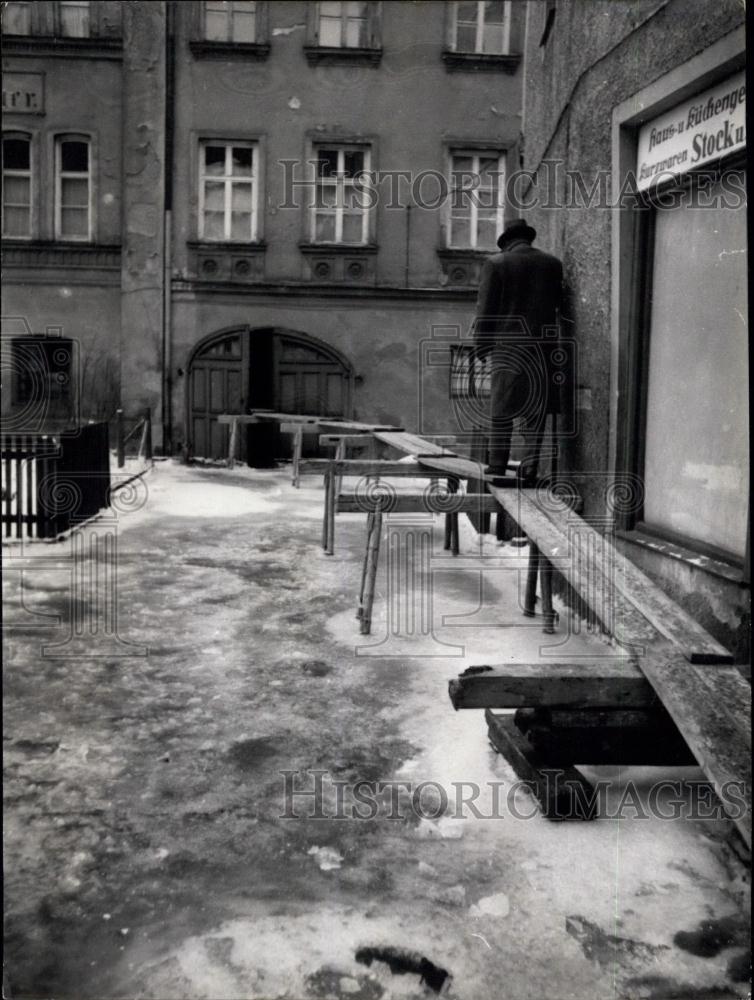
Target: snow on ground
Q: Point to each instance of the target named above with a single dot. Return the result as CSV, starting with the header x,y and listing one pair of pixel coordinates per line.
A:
x,y
147,849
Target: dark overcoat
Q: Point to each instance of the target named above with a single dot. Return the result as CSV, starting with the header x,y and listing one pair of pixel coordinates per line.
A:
x,y
517,318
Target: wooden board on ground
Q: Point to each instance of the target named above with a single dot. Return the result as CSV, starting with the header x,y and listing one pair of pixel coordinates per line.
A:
x,y
597,683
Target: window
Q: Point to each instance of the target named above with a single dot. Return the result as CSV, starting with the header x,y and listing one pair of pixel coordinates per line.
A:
x,y
469,372
344,25
228,21
73,189
17,18
476,199
41,371
16,187
228,191
74,18
482,27
341,196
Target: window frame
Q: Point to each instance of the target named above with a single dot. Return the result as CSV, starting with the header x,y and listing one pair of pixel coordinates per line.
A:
x,y
33,20
29,137
91,18
342,147
477,153
478,49
254,180
59,139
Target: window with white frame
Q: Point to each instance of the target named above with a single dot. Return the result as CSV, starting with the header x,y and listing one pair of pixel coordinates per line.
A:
x,y
228,191
73,188
481,26
17,18
343,25
476,199
230,21
469,372
74,18
341,204
17,190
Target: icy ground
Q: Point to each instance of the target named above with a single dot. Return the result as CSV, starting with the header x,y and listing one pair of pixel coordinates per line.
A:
x,y
146,849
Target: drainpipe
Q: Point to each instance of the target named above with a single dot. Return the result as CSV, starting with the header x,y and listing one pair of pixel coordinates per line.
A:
x,y
408,243
167,260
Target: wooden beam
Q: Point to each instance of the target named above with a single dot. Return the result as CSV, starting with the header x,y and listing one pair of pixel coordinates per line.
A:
x,y
330,440
409,503
598,683
363,467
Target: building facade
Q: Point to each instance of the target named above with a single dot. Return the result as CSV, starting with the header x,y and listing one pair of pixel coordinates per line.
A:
x,y
634,124
218,206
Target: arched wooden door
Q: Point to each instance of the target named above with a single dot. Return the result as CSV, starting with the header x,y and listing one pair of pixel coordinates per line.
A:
x,y
269,368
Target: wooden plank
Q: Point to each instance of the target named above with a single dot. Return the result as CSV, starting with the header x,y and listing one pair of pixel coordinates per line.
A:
x,y
555,784
362,439
652,746
257,416
598,683
656,606
362,467
408,503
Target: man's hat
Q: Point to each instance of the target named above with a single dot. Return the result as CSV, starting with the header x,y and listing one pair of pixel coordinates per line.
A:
x,y
516,230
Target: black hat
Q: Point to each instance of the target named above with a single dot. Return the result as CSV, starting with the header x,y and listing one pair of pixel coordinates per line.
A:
x,y
516,230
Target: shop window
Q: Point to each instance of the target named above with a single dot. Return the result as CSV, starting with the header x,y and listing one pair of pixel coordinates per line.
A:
x,y
228,191
228,21
73,189
695,442
476,199
481,27
341,209
469,373
17,186
17,18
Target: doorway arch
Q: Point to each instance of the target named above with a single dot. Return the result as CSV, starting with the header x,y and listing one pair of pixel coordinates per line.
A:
x,y
238,369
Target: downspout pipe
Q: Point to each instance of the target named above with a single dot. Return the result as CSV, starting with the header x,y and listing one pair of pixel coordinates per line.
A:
x,y
167,261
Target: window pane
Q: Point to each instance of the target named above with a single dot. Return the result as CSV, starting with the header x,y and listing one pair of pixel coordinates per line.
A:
x,y
330,9
214,196
356,8
214,160
215,25
16,154
489,171
459,232
74,156
17,19
463,164
324,230
214,227
329,31
241,198
353,162
74,19
486,233
494,12
466,12
16,221
466,37
244,24
325,196
74,222
241,162
74,192
327,162
240,226
494,39
356,33
352,228
16,190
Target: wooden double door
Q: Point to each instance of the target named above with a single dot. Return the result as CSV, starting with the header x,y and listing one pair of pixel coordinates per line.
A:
x,y
244,369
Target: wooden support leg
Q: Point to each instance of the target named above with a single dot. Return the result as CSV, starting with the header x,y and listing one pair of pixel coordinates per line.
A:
x,y
330,482
326,514
232,445
448,531
373,554
340,454
530,596
370,528
454,540
298,444
550,615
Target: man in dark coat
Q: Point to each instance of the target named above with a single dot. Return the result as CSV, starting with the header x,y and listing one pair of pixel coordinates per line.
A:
x,y
516,324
